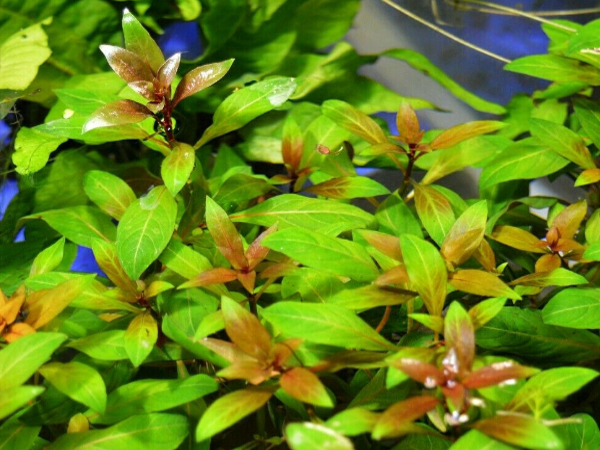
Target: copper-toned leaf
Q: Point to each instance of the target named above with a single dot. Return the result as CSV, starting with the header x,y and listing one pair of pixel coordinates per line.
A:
x,y
547,263
305,386
396,275
558,277
465,235
569,219
166,73
407,122
497,373
423,372
200,78
227,350
43,306
244,329
292,144
256,252
588,176
354,120
129,66
10,308
247,279
517,238
17,331
219,275
482,283
455,394
460,133
460,340
435,212
253,371
392,421
106,257
144,88
386,243
348,187
485,256
282,351
121,112
225,235
520,430
138,41
278,270
351,359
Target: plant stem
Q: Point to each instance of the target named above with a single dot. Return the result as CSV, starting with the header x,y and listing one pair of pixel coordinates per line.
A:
x,y
384,319
407,174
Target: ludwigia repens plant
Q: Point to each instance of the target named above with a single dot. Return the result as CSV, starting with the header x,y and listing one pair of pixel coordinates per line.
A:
x,y
234,309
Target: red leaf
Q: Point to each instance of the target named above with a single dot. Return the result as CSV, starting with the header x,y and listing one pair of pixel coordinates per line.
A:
x,y
460,340
395,418
219,275
129,66
121,112
244,329
420,371
225,235
455,394
497,373
248,279
305,386
166,73
256,252
200,78
407,122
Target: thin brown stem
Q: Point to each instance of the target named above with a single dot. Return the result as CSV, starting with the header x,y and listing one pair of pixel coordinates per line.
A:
x,y
384,319
407,174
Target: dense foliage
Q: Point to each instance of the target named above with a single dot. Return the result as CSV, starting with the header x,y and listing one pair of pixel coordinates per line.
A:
x,y
243,299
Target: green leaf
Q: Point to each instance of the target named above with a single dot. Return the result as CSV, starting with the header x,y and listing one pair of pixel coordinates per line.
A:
x,y
290,210
184,261
557,277
241,187
106,257
77,381
140,337
48,259
147,396
143,432
313,436
145,230
139,41
555,68
81,225
485,311
109,192
348,187
353,421
465,235
21,55
15,435
322,252
14,398
583,435
521,332
550,386
435,212
423,64
322,23
353,120
370,297
324,324
475,439
563,141
459,334
482,283
246,104
395,218
524,431
427,442
105,346
20,359
231,408
177,167
33,148
588,113
426,270
523,160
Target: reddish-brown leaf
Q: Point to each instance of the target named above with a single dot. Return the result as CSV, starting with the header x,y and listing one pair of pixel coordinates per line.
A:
x,y
460,340
387,244
121,112
257,252
18,330
460,133
253,371
244,329
278,270
166,73
517,238
407,122
547,263
305,386
485,256
497,373
225,235
350,359
482,283
219,275
569,219
396,275
420,371
392,421
144,88
10,308
200,78
292,144
282,351
455,394
129,66
227,350
248,280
